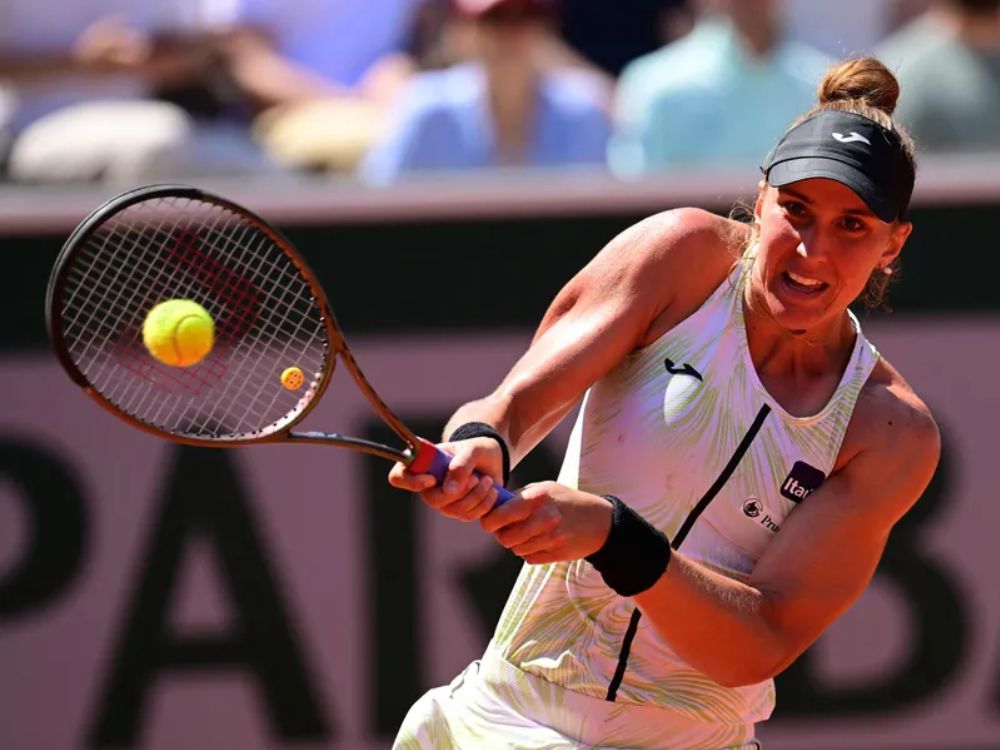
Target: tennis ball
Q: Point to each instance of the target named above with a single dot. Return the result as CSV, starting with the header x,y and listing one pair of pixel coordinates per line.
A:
x,y
178,332
292,378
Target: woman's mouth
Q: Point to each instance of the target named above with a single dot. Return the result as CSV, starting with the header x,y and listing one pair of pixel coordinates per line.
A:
x,y
803,284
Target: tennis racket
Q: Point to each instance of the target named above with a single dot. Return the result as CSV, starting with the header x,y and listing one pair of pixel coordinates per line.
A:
x,y
270,314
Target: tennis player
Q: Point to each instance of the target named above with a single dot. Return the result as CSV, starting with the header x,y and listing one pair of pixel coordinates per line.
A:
x,y
741,454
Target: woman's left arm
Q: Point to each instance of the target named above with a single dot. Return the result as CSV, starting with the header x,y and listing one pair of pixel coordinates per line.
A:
x,y
819,563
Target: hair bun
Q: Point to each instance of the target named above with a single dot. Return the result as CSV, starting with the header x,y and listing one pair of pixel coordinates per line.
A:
x,y
864,79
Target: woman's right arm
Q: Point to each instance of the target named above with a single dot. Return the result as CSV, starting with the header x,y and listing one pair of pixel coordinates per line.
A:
x,y
602,314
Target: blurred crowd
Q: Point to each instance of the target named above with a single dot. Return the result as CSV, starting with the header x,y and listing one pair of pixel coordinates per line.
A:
x,y
143,90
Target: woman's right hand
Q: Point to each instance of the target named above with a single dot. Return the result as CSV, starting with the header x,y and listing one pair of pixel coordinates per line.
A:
x,y
462,495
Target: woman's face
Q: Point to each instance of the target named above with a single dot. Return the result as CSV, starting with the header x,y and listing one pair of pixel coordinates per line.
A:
x,y
818,245
511,33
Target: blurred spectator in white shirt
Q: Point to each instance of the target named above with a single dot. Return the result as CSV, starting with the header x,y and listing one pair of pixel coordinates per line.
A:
x,y
521,101
85,78
948,65
696,102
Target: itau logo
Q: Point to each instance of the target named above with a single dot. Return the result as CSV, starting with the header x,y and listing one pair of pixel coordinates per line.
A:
x,y
801,481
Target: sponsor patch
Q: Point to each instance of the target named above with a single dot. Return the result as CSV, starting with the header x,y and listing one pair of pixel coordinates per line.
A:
x,y
801,481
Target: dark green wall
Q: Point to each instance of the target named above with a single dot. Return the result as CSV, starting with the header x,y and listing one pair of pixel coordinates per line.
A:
x,y
436,275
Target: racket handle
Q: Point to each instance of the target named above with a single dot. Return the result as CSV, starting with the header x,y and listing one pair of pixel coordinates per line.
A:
x,y
436,464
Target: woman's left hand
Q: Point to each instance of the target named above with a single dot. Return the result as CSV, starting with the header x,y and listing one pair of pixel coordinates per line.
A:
x,y
549,522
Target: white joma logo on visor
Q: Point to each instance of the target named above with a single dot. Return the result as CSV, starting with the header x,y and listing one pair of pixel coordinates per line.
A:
x,y
852,138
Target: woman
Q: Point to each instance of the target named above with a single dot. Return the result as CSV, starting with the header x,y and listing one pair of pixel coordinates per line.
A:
x,y
760,447
519,101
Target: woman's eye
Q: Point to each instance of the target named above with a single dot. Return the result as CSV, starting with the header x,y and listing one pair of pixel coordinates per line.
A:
x,y
852,224
795,208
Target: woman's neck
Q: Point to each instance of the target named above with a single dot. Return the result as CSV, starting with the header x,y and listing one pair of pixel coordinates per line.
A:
x,y
513,98
800,369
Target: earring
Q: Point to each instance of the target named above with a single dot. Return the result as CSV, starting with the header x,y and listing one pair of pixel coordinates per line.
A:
x,y
886,270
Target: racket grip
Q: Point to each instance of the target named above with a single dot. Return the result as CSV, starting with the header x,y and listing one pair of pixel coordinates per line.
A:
x,y
436,464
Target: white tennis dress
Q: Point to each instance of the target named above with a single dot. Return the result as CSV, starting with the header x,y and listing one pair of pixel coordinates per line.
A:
x,y
684,432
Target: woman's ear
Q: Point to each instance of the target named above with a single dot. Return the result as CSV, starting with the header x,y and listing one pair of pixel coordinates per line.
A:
x,y
900,233
758,205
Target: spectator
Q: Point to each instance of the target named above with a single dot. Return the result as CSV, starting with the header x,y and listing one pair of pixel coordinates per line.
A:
x,y
518,102
612,34
341,42
326,73
948,64
842,29
901,12
86,102
678,106
8,107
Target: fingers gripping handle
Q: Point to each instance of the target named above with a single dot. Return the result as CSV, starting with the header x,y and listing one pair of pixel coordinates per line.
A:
x,y
432,460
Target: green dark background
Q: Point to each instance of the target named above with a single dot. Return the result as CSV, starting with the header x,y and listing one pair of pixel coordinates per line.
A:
x,y
438,275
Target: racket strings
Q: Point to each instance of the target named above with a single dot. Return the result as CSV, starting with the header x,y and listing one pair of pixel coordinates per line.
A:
x,y
264,309
93,303
204,376
150,281
282,329
148,278
210,277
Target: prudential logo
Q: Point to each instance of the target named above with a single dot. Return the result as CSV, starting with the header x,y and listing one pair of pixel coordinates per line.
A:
x,y
753,508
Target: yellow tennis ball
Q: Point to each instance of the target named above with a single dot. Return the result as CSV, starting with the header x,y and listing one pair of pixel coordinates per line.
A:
x,y
178,332
292,378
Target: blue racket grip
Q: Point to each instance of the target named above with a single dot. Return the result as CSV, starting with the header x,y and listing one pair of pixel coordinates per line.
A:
x,y
438,468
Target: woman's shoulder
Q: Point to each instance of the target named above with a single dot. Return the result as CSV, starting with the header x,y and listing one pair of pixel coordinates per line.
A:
x,y
684,254
688,245
887,393
687,233
707,224
891,449
890,418
460,85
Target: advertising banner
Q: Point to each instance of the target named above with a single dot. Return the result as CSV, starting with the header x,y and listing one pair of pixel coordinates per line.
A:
x,y
158,596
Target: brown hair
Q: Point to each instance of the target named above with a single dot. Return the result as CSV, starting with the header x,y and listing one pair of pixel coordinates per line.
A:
x,y
864,86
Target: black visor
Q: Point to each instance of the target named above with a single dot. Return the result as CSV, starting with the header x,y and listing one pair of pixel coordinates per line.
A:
x,y
852,150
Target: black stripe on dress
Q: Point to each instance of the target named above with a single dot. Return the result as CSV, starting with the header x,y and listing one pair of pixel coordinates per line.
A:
x,y
682,533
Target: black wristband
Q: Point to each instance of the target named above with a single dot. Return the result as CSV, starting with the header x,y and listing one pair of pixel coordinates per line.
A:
x,y
635,554
481,429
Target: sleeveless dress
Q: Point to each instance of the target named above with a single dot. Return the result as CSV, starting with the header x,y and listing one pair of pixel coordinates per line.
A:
x,y
684,432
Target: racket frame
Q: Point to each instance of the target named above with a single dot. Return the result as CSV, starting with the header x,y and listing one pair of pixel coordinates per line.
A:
x,y
418,453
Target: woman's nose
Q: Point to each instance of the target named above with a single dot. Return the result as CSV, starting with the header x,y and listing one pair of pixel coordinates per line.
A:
x,y
811,244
